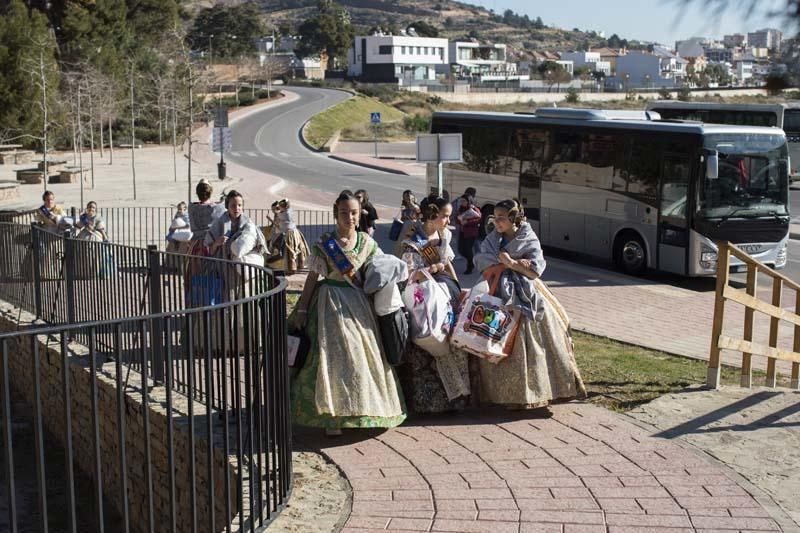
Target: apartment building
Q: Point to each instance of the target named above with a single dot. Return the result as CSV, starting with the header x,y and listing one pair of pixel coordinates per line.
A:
x,y
767,38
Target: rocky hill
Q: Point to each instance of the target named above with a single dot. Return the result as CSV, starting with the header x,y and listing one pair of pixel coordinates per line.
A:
x,y
453,20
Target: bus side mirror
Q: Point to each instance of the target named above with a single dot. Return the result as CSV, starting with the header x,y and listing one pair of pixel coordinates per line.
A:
x,y
712,165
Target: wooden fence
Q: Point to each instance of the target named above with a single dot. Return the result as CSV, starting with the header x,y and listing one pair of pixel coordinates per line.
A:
x,y
748,297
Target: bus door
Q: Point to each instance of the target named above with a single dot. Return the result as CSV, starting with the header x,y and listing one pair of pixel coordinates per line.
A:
x,y
791,126
673,224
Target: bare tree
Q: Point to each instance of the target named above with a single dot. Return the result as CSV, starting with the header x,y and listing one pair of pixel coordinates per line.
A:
x,y
271,67
41,69
189,79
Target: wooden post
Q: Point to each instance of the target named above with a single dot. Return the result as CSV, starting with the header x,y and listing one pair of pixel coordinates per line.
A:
x,y
796,348
747,369
723,260
777,288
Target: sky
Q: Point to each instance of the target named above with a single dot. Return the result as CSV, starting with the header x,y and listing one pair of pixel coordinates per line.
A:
x,y
663,21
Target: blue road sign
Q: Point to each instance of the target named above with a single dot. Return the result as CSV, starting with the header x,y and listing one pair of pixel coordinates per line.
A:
x,y
375,118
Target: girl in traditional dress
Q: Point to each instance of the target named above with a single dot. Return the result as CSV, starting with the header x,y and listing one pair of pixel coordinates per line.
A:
x,y
293,247
346,381
233,236
91,225
180,232
201,214
50,215
433,384
542,365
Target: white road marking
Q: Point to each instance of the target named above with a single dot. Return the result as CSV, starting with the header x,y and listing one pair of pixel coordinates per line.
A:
x,y
283,154
252,154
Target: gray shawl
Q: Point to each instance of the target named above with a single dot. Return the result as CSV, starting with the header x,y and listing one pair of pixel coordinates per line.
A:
x,y
514,288
252,240
201,216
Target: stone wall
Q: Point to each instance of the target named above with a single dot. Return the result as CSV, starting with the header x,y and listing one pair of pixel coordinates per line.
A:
x,y
21,370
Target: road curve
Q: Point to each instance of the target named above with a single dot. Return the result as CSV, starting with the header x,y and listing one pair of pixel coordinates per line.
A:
x,y
269,141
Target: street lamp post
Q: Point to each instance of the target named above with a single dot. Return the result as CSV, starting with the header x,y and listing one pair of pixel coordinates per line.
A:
x,y
211,48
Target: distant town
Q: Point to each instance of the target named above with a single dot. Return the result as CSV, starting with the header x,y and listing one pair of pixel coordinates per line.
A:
x,y
418,62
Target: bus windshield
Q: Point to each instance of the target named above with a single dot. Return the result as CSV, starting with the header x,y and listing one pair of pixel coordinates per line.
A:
x,y
753,177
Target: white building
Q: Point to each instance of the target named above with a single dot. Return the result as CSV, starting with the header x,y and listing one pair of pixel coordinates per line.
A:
x,y
661,68
590,59
396,58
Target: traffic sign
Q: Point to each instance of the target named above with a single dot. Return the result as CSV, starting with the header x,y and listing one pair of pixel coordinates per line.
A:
x,y
439,148
221,116
375,118
222,140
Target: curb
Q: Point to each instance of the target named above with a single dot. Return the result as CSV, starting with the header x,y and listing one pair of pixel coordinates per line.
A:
x,y
370,165
794,236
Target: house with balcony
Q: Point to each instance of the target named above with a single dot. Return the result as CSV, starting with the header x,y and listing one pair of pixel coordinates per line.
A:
x,y
401,59
637,68
471,59
588,59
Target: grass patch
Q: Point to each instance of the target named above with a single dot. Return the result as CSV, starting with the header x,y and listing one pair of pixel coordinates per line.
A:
x,y
352,113
621,377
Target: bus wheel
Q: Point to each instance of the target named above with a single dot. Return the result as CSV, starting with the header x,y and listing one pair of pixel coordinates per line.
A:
x,y
487,220
630,254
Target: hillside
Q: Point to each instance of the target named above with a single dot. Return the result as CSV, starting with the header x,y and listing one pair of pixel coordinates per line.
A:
x,y
454,20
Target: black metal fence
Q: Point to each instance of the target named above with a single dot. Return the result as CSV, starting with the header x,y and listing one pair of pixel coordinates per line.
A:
x,y
146,226
132,332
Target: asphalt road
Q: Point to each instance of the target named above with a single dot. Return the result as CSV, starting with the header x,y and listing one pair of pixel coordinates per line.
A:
x,y
268,141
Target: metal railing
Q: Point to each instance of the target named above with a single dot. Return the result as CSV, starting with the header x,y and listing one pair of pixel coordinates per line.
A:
x,y
752,304
201,341
146,226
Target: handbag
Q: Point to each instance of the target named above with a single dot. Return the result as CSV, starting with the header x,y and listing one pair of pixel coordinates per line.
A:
x,y
394,335
394,231
297,346
431,314
486,327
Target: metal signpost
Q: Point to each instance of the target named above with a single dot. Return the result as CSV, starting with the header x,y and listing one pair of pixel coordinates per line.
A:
x,y
222,139
439,148
375,120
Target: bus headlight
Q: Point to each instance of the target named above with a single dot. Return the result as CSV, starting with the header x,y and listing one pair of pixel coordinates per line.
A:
x,y
780,258
708,258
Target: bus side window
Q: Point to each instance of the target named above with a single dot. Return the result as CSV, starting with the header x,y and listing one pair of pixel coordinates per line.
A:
x,y
643,169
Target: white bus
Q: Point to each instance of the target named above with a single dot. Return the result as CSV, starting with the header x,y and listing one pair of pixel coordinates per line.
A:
x,y
643,193
784,116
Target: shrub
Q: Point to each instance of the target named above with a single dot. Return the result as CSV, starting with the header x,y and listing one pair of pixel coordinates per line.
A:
x,y
664,94
573,96
684,94
435,100
417,123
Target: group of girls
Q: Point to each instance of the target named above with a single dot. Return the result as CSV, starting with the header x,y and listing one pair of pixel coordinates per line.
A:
x,y
224,231
347,380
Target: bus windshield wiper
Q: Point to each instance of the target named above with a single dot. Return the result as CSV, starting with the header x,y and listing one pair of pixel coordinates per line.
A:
x,y
735,211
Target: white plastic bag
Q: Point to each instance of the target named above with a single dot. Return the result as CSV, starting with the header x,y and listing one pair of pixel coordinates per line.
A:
x,y
428,304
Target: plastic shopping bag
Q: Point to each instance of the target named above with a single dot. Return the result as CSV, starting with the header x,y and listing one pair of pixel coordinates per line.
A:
x,y
486,327
431,315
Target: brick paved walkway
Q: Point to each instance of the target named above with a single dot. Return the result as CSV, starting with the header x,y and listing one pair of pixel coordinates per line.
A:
x,y
584,469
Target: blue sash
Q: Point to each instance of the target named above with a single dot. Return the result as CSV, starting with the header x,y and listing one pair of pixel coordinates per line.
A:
x,y
339,259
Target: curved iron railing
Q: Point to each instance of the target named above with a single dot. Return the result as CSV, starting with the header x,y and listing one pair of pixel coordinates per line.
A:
x,y
197,343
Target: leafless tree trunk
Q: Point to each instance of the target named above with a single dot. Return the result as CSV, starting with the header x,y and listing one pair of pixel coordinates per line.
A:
x,y
80,140
91,138
110,142
133,133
